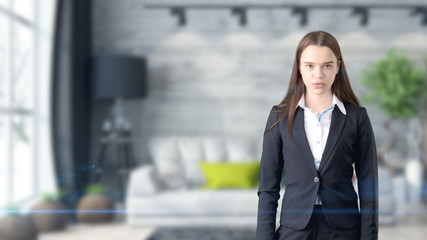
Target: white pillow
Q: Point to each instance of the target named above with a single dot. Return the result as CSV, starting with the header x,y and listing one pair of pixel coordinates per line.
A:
x,y
165,155
145,175
214,149
240,149
191,152
172,180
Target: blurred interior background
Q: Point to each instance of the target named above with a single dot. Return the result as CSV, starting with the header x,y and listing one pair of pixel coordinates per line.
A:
x,y
133,116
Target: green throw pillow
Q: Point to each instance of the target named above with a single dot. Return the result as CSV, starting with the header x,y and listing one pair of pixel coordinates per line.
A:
x,y
230,174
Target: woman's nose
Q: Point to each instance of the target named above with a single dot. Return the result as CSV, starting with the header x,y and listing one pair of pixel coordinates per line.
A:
x,y
318,73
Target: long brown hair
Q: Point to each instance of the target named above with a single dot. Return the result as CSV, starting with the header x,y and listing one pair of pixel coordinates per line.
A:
x,y
341,86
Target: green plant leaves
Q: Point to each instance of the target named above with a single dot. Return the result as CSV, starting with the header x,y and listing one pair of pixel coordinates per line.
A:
x,y
395,85
96,189
12,209
53,196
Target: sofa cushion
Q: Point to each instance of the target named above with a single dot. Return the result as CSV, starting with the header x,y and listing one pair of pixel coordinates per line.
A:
x,y
196,202
176,158
191,153
230,175
147,176
214,149
166,158
240,149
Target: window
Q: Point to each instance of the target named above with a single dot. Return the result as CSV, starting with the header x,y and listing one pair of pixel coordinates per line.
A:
x,y
26,167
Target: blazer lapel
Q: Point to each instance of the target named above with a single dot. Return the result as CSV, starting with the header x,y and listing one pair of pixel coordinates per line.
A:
x,y
337,124
300,138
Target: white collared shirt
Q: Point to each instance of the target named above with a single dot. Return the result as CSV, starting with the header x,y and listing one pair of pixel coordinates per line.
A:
x,y
317,128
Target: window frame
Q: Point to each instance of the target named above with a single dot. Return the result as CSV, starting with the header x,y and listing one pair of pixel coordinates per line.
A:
x,y
36,113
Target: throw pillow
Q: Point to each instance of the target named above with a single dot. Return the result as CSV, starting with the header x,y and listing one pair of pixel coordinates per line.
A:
x,y
165,155
240,149
230,174
173,181
146,176
191,151
214,149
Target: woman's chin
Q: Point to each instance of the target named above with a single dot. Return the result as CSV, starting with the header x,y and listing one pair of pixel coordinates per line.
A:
x,y
319,91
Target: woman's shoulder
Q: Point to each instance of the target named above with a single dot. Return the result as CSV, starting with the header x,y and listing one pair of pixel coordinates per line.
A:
x,y
275,117
354,110
279,108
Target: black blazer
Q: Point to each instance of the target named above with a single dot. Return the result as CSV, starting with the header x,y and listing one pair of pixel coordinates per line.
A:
x,y
350,141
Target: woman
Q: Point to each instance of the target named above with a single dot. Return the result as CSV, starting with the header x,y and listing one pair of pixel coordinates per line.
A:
x,y
317,136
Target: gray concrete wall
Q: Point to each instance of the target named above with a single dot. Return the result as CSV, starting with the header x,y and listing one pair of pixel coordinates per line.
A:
x,y
214,76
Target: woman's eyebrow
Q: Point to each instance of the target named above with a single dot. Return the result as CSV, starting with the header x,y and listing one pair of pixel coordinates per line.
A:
x,y
322,63
329,62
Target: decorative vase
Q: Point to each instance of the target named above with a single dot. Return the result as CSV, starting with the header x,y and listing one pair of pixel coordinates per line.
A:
x,y
49,216
95,208
17,227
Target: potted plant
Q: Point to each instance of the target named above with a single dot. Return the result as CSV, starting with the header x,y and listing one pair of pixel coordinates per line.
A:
x,y
424,187
14,226
95,206
49,214
396,86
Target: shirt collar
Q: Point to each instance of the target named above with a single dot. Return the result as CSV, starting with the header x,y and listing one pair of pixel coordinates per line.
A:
x,y
335,101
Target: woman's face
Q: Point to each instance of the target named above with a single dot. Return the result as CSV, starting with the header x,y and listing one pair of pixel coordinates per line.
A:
x,y
318,67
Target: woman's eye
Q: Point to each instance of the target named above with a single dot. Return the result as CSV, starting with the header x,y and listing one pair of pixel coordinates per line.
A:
x,y
309,66
328,66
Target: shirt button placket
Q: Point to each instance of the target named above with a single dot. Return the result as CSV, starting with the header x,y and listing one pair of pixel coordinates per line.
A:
x,y
319,132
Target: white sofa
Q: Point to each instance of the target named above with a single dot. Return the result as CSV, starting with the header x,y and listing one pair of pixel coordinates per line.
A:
x,y
168,192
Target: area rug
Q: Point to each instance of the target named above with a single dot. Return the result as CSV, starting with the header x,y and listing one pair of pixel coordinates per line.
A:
x,y
198,233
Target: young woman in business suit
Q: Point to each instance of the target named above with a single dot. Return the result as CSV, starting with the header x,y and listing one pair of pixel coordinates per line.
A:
x,y
318,136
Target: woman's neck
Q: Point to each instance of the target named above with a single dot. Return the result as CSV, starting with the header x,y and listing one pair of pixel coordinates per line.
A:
x,y
318,103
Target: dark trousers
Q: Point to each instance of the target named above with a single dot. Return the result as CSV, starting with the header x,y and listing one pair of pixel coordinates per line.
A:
x,y
318,229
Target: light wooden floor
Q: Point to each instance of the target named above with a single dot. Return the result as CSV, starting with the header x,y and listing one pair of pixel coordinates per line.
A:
x,y
114,231
403,233
123,232
410,226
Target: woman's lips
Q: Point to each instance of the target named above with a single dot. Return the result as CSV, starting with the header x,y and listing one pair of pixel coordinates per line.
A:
x,y
318,85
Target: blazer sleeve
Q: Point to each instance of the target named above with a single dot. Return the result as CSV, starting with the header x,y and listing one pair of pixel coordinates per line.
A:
x,y
366,167
270,177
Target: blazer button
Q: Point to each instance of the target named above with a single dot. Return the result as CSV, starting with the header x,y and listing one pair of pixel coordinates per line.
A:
x,y
316,179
